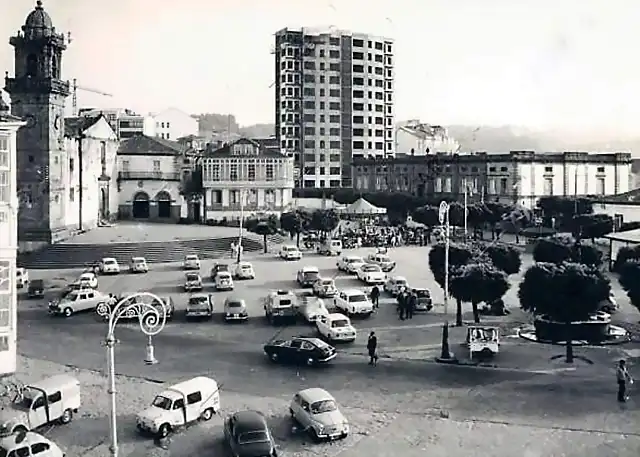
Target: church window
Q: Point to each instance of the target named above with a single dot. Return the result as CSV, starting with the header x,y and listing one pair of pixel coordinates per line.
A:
x,y
55,68
4,152
5,183
32,65
103,153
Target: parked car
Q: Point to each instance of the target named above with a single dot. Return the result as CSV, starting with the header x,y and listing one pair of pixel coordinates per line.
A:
x,y
191,262
350,264
77,301
325,287
224,281
309,351
330,247
310,307
353,302
280,306
318,412
336,327
28,444
308,275
36,288
109,266
199,306
50,400
235,309
138,265
243,270
247,434
424,302
192,282
382,260
88,280
290,252
217,268
180,405
371,274
22,277
394,285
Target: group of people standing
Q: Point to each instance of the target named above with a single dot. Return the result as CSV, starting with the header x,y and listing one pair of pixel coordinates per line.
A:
x,y
407,302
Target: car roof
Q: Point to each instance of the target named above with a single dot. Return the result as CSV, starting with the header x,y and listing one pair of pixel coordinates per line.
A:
x,y
223,273
55,383
249,421
234,300
104,259
352,292
353,257
309,268
399,278
244,262
336,316
175,391
138,258
199,295
191,255
14,440
314,394
192,273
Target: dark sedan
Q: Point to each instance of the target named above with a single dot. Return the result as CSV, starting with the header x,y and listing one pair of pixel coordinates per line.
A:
x,y
308,351
247,435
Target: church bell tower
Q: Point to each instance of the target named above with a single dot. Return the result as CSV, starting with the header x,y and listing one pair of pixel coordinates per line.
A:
x,y
37,96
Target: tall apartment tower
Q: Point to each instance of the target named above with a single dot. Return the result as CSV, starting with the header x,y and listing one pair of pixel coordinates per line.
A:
x,y
334,100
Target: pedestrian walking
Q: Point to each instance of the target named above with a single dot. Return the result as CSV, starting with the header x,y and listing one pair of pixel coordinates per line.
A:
x,y
623,377
402,304
372,346
375,297
411,305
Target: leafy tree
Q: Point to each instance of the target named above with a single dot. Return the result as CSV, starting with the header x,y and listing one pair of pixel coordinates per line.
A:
x,y
630,281
563,248
505,258
586,254
191,187
294,223
565,292
626,254
265,229
427,215
459,255
324,221
478,282
591,226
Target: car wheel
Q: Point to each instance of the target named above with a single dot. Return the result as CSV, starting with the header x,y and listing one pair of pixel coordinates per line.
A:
x,y
273,356
66,417
68,312
207,414
314,435
164,430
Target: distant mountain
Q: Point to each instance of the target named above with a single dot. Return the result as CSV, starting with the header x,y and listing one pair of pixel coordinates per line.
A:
x,y
212,123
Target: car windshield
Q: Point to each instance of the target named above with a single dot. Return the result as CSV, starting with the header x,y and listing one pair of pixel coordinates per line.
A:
x,y
400,281
422,293
192,277
222,267
198,300
323,406
383,258
327,282
191,257
71,296
259,436
355,260
283,302
138,261
340,323
224,275
235,304
162,402
371,268
357,298
86,277
290,248
311,275
245,267
110,262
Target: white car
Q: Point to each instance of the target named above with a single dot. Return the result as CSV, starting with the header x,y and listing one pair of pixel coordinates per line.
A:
x,y
88,279
243,270
317,412
371,274
199,306
224,281
77,301
352,302
28,444
109,266
395,284
336,327
290,252
191,262
325,287
350,264
310,308
138,265
382,260
22,277
192,282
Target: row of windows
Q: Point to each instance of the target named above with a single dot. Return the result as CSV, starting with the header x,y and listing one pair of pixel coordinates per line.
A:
x,y
356,81
311,131
321,170
165,136
379,58
311,92
321,158
163,124
236,173
311,144
323,183
387,47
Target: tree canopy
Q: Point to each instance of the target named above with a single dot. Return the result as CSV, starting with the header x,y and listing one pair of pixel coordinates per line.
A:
x,y
505,258
564,248
478,282
324,220
630,281
626,254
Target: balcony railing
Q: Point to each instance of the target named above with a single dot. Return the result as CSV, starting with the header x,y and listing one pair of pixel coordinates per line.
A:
x,y
150,175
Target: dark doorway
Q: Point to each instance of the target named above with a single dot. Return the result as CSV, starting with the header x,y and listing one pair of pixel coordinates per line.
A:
x,y
164,205
104,206
140,205
196,212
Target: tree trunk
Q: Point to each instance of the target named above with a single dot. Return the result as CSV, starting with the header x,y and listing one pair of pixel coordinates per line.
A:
x,y
298,240
476,314
458,313
264,242
569,344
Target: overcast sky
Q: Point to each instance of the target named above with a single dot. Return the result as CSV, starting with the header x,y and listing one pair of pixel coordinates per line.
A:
x,y
562,64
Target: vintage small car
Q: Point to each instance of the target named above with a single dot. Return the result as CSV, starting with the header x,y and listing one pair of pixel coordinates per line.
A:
x,y
36,288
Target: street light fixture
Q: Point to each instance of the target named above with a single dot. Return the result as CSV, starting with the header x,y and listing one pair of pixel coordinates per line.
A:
x,y
151,320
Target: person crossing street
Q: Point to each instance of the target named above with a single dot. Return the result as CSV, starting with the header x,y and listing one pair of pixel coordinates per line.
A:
x,y
623,377
372,346
375,297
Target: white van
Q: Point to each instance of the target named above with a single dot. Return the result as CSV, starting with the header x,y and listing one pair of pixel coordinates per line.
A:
x,y
330,247
180,405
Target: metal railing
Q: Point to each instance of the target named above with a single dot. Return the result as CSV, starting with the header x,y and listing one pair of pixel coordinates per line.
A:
x,y
153,175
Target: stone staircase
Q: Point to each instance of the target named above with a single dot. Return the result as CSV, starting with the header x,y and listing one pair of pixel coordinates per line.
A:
x,y
65,256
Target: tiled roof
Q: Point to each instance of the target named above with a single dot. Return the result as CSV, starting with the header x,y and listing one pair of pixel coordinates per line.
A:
x,y
150,146
75,125
225,151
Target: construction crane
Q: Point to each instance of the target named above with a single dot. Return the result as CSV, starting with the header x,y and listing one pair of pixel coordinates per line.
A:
x,y
75,90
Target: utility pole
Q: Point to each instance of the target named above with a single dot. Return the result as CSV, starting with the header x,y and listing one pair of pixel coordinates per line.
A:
x,y
81,136
443,216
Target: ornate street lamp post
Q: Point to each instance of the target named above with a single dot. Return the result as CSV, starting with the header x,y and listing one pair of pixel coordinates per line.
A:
x,y
152,318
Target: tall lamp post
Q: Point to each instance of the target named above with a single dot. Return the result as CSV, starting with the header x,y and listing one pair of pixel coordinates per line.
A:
x,y
241,226
443,216
152,319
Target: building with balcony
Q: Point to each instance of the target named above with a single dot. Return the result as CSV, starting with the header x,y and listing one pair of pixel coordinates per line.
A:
x,y
9,125
245,175
173,123
334,101
421,139
515,177
149,175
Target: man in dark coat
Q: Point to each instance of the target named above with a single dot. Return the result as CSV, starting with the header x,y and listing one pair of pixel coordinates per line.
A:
x,y
411,305
375,297
402,304
372,346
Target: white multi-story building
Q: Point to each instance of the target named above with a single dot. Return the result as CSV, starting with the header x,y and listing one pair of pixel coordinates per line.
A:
x,y
9,125
419,139
173,123
125,122
334,94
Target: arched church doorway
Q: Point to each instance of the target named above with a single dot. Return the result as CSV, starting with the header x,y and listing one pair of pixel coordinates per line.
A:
x,y
104,204
163,200
140,209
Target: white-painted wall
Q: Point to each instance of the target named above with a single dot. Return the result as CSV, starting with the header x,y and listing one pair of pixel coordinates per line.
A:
x,y
167,165
173,123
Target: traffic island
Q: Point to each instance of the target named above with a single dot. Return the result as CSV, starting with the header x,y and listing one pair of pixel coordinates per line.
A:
x,y
615,335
